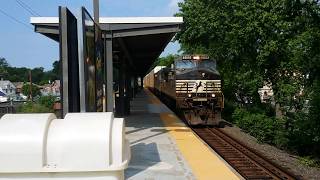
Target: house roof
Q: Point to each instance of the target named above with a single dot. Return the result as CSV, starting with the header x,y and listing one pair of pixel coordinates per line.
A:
x,y
5,83
2,93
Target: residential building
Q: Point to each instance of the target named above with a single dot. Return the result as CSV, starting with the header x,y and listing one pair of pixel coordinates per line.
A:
x,y
19,86
52,89
3,96
8,88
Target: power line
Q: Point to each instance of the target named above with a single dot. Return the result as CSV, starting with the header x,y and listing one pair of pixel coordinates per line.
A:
x,y
27,8
24,7
15,19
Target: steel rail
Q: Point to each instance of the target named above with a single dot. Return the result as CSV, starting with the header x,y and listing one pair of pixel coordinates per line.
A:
x,y
247,162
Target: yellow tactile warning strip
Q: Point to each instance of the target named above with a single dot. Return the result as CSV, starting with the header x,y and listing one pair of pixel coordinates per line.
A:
x,y
203,162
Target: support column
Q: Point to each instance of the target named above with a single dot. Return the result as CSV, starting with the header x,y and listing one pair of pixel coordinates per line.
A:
x,y
129,86
96,10
137,89
109,72
134,87
128,94
70,94
120,98
141,81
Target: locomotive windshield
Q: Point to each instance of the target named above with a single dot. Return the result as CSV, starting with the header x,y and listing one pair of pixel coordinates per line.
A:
x,y
185,64
196,69
207,64
188,64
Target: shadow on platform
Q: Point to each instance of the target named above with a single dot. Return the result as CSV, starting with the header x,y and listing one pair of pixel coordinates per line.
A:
x,y
144,157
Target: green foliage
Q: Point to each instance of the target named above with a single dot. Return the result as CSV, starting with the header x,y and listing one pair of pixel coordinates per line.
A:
x,y
3,62
43,104
314,127
56,71
3,65
37,74
309,161
26,90
229,108
33,108
165,61
47,101
256,42
264,128
17,74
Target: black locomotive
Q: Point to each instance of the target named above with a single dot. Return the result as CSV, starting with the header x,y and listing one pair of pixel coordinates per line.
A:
x,y
193,85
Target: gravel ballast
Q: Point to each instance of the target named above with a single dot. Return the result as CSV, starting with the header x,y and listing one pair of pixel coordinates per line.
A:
x,y
278,156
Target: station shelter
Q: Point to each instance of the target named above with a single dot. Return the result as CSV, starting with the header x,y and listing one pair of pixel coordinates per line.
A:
x,y
103,60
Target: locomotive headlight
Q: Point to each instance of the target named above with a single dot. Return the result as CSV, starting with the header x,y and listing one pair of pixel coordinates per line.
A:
x,y
189,95
196,57
213,95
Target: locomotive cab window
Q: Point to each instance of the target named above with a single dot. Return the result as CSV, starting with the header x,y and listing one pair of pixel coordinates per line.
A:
x,y
182,65
190,64
208,64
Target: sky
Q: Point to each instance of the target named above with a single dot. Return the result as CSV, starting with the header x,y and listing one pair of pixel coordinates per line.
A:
x,y
22,47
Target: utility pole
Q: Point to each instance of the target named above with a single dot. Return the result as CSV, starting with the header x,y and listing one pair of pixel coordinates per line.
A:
x,y
30,88
96,11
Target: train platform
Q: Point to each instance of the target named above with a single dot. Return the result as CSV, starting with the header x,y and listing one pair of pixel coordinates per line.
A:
x,y
162,147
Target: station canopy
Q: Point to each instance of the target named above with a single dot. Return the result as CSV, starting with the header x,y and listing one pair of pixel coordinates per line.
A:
x,y
140,39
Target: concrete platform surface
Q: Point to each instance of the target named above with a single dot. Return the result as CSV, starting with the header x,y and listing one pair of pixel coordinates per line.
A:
x,y
163,148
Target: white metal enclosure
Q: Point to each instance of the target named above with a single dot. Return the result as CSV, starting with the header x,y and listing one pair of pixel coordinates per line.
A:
x,y
80,146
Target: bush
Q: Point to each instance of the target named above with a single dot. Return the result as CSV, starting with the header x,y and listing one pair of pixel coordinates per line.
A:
x,y
47,101
261,126
241,118
310,161
281,137
228,110
303,137
26,90
33,108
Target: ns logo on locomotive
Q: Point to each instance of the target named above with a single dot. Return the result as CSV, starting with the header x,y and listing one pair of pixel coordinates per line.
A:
x,y
193,85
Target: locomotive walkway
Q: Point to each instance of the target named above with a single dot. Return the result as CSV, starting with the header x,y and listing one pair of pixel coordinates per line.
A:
x,y
162,147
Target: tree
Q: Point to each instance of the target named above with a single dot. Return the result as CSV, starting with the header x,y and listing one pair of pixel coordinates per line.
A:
x,y
3,62
38,75
165,61
3,65
21,74
26,90
16,74
47,101
256,42
56,71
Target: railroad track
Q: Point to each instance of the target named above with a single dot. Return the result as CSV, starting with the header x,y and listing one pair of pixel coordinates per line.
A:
x,y
248,163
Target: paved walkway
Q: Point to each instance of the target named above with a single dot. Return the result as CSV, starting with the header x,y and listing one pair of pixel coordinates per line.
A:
x,y
162,147
154,154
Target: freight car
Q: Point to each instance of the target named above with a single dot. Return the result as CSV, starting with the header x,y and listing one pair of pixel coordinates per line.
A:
x,y
193,85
